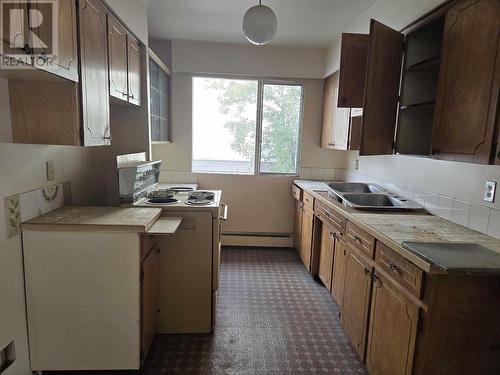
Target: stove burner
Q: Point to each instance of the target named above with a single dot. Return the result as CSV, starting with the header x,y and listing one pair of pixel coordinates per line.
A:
x,y
162,201
201,195
160,193
198,202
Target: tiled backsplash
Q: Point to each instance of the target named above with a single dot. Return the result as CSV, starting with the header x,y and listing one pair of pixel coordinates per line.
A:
x,y
481,218
326,174
25,206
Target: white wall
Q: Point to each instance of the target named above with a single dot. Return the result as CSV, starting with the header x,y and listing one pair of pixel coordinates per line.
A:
x,y
257,203
449,189
247,59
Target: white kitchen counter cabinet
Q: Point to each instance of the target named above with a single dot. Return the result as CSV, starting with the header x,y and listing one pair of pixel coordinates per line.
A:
x,y
92,292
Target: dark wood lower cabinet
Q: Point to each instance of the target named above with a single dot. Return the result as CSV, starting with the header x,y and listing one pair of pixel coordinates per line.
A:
x,y
150,269
393,329
356,302
339,261
297,226
306,237
326,256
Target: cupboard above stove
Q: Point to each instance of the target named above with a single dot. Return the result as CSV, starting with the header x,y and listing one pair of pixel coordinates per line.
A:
x,y
430,90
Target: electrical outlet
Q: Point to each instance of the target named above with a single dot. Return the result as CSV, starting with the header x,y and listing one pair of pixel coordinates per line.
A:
x,y
489,191
356,164
50,168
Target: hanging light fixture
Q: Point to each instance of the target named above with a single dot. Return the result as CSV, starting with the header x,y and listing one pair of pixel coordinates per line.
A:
x,y
259,24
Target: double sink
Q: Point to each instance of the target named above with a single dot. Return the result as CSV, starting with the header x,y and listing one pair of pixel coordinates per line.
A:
x,y
369,197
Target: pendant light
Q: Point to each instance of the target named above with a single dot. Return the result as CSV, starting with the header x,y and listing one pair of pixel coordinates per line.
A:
x,y
259,24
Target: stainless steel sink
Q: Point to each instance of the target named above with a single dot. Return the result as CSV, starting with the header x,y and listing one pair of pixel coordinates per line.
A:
x,y
355,187
368,196
372,200
379,201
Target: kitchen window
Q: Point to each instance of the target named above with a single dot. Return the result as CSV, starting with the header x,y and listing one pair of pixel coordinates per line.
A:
x,y
245,126
159,88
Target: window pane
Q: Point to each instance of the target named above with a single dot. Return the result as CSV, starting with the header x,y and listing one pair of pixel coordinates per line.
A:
x,y
159,102
280,128
224,125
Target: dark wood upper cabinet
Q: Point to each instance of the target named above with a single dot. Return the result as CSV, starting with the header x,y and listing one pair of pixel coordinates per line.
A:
x,y
467,96
117,44
385,54
94,73
353,58
134,70
66,63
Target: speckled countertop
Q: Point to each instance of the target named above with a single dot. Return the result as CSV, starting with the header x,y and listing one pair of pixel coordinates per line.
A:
x,y
395,228
114,219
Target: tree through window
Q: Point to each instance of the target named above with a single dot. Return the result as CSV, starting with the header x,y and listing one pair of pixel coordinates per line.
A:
x,y
245,126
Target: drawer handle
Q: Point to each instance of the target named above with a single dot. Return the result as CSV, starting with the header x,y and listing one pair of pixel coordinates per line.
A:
x,y
327,214
367,271
357,239
394,267
333,235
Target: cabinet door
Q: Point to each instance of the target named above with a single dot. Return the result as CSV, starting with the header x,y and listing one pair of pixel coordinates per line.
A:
x,y
381,90
297,225
66,63
117,44
306,238
15,41
326,256
335,128
149,299
356,304
94,70
355,132
353,58
393,327
467,98
134,71
339,261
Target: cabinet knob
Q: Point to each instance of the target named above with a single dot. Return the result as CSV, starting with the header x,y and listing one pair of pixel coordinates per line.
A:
x,y
27,49
131,96
394,267
367,271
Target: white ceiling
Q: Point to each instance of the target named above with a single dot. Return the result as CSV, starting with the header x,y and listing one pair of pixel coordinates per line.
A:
x,y
311,23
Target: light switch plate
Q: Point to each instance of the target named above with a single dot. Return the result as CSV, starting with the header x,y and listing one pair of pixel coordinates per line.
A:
x,y
489,191
50,167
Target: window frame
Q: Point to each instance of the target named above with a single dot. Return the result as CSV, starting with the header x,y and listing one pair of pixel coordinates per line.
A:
x,y
261,82
153,56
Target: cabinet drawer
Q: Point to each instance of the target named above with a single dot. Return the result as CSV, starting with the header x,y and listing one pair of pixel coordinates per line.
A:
x,y
360,239
296,193
402,271
330,217
147,243
308,199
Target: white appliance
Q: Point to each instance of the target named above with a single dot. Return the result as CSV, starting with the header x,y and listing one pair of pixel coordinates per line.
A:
x,y
189,261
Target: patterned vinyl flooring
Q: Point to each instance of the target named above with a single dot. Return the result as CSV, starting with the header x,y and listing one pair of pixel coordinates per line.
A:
x,y
272,318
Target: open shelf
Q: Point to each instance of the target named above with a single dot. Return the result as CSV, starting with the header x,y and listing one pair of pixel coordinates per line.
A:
x,y
424,105
428,65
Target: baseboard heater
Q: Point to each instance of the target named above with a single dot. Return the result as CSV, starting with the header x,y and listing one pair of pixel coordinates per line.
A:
x,y
257,239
